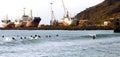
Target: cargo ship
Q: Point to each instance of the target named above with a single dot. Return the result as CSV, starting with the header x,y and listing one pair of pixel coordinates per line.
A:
x,y
25,21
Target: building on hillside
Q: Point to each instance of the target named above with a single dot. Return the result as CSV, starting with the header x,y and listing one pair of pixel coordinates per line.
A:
x,y
83,23
107,23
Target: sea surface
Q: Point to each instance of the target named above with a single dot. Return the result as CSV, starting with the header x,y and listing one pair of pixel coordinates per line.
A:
x,y
59,43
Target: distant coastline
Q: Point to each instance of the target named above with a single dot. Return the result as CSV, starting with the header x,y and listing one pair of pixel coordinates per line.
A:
x,y
62,28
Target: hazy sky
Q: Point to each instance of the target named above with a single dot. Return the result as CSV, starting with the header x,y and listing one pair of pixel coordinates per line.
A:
x,y
14,8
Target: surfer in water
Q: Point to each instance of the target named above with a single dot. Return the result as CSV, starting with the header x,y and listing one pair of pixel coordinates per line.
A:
x,y
94,36
38,36
24,37
49,36
13,38
46,36
20,37
3,36
57,35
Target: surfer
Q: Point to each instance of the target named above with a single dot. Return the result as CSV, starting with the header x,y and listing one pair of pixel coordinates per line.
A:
x,y
35,35
3,36
57,35
24,37
94,36
49,36
38,36
13,38
20,37
31,36
46,36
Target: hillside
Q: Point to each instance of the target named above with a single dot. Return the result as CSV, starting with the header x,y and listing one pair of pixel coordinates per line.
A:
x,y
105,10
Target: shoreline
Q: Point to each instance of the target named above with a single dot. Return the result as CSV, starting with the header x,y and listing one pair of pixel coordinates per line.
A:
x,y
62,28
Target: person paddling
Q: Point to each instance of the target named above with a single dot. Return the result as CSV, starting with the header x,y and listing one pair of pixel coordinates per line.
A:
x,y
94,36
13,38
3,36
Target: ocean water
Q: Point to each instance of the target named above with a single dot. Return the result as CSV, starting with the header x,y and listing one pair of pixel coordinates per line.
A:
x,y
59,43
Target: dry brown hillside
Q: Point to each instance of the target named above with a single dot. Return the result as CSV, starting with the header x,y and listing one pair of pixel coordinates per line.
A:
x,y
105,10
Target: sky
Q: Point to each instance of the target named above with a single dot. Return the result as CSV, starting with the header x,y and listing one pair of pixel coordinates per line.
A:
x,y
42,8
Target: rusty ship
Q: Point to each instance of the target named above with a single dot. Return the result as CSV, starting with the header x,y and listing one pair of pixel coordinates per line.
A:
x,y
24,21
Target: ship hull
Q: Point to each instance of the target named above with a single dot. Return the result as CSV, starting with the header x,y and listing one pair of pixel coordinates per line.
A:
x,y
34,23
10,25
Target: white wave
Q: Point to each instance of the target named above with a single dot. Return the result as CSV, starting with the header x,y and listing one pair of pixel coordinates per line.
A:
x,y
92,35
32,38
8,39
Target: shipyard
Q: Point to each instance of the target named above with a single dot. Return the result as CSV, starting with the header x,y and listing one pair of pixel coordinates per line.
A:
x,y
81,21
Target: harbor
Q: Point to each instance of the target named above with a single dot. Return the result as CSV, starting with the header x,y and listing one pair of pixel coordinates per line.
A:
x,y
60,28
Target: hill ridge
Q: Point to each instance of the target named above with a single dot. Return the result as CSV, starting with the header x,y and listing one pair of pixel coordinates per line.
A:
x,y
105,10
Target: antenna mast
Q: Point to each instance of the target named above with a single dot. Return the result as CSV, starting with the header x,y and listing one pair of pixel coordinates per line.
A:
x,y
52,16
51,21
51,12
